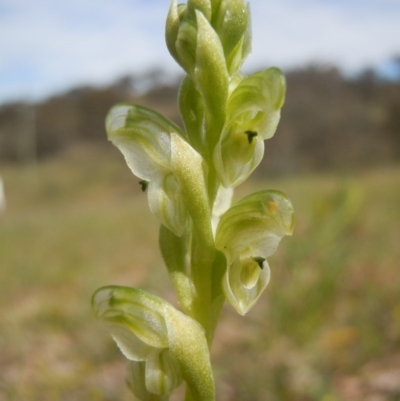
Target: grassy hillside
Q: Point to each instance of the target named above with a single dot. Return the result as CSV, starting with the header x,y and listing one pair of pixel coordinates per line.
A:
x,y
327,327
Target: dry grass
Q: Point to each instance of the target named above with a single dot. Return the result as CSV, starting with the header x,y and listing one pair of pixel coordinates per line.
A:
x,y
327,328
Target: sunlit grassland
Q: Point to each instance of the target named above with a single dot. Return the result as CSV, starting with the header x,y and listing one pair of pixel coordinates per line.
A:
x,y
330,316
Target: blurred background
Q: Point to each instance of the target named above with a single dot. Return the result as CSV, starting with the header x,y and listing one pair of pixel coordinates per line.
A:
x,y
73,218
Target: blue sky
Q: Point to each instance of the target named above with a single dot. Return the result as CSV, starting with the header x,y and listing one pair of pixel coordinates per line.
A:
x,y
47,46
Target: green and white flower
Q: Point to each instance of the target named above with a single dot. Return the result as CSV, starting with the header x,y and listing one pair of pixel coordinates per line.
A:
x,y
164,345
146,138
253,113
247,234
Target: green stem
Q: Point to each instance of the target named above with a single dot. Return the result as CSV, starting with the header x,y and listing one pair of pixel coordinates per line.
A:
x,y
202,260
217,295
209,300
212,185
214,126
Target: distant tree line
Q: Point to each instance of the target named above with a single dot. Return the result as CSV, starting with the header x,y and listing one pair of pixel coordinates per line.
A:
x,y
328,122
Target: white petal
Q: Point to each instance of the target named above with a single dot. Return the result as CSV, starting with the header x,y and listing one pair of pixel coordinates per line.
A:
x,y
131,346
139,158
143,136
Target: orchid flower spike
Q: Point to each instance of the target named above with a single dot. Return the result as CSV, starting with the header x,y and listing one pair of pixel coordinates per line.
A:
x,y
213,251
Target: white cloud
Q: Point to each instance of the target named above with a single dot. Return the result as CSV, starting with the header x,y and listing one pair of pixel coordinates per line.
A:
x,y
94,41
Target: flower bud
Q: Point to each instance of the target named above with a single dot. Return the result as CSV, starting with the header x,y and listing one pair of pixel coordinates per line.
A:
x,y
174,17
232,24
247,234
204,6
186,45
195,45
253,112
